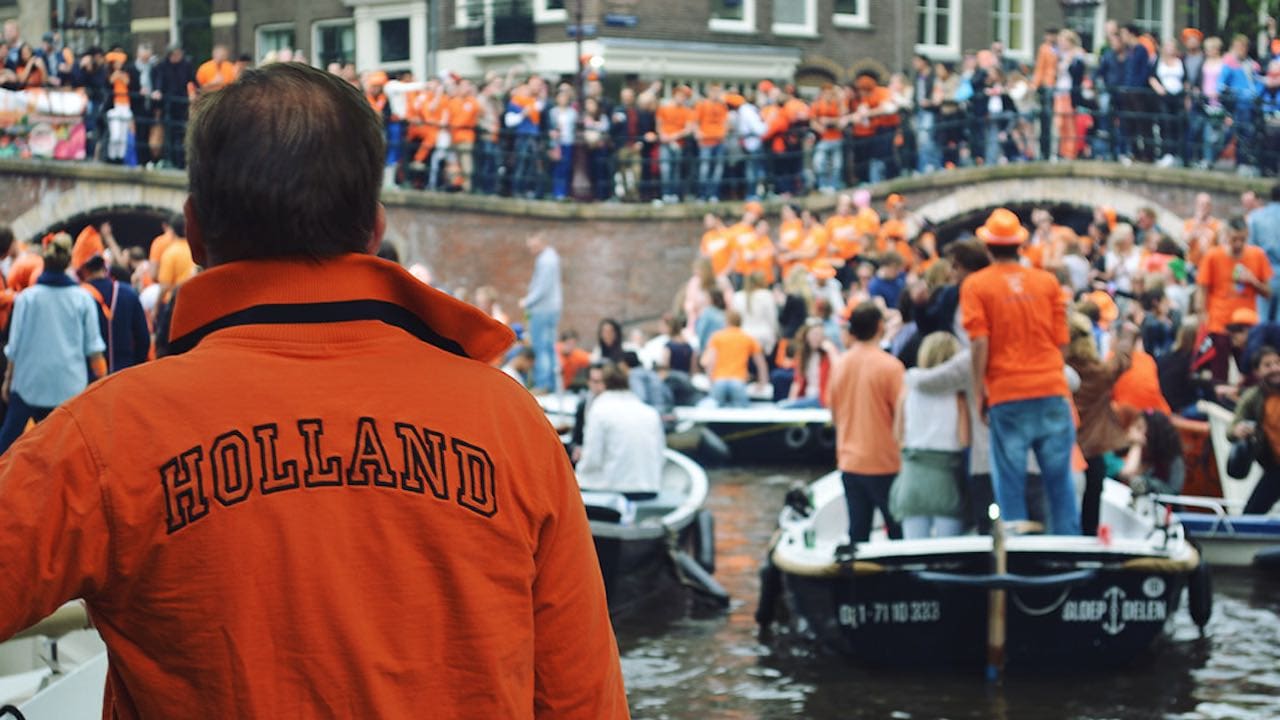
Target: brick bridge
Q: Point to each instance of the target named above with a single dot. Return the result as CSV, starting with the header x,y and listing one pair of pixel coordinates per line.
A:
x,y
624,261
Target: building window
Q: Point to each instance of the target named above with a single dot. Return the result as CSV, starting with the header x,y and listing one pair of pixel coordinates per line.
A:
x,y
852,13
1011,26
938,28
469,13
549,11
1088,20
1156,17
498,22
797,17
393,40
274,38
738,16
334,41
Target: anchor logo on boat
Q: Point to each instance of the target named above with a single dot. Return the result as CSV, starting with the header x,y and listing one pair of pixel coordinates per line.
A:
x,y
1114,623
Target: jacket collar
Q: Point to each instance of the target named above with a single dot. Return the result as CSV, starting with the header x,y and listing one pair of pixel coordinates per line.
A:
x,y
348,288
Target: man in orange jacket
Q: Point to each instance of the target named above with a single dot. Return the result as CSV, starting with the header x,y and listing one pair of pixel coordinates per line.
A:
x,y
336,478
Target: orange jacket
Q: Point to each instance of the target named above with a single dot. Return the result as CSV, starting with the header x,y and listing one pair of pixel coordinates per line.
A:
x,y
335,510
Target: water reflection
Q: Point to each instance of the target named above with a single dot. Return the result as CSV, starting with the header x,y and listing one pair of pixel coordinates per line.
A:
x,y
692,663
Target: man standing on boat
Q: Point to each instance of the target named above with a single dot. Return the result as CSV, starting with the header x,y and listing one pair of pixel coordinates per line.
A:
x,y
862,393
1016,320
623,441
340,509
543,303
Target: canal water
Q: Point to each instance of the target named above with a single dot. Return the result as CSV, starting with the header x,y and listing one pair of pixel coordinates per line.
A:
x,y
705,665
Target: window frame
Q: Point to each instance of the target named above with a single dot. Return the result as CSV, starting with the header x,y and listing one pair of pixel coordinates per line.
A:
x,y
745,26
258,34
857,20
934,50
807,29
394,65
318,25
1028,23
543,15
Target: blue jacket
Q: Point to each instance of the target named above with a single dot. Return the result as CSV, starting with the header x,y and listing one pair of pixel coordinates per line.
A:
x,y
128,337
1239,83
1137,68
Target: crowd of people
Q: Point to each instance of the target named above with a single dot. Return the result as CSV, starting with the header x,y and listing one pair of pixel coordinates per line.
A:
x,y
1189,101
940,387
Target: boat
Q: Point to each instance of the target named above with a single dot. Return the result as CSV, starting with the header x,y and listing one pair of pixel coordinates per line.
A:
x,y
764,432
1083,602
646,546
1226,536
55,670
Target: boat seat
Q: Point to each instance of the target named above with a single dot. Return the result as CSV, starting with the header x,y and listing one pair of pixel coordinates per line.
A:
x,y
608,507
1200,523
665,502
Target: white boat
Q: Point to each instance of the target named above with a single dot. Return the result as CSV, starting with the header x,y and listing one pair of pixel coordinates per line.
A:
x,y
1225,535
55,670
641,542
1080,601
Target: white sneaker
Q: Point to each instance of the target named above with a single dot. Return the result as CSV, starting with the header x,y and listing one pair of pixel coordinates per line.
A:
x,y
1167,161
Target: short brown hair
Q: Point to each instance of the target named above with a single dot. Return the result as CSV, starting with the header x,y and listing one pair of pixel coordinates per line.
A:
x,y
285,162
615,377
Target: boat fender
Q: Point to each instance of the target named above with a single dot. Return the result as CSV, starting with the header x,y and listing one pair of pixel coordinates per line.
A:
x,y
796,437
704,540
770,592
692,575
827,437
1268,559
1200,594
712,448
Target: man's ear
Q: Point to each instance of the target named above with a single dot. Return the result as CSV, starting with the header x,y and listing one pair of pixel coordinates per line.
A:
x,y
195,235
379,230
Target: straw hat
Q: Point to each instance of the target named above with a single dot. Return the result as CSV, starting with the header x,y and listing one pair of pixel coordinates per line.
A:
x,y
1002,228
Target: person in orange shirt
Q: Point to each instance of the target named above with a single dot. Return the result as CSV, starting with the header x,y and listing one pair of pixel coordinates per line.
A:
x,y
1202,230
429,115
711,125
716,245
875,122
1016,320
845,240
827,122
673,118
728,358
791,236
218,71
88,243
298,417
1044,79
862,392
574,361
1230,278
464,112
744,241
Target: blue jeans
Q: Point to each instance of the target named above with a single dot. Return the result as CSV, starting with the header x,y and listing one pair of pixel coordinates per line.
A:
x,y
928,157
727,393
925,526
542,337
863,494
562,173
710,169
828,163
1044,426
753,171
486,163
801,403
15,420
669,158
524,180
1267,307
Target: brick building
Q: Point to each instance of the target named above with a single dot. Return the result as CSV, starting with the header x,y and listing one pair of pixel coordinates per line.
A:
x,y
673,40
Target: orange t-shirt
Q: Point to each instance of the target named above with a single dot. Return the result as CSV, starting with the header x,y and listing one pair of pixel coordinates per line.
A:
x,y
210,71
1023,314
827,110
734,349
1224,296
717,247
431,110
1196,247
159,244
846,239
1139,386
862,393
24,271
790,239
877,97
672,118
573,363
816,241
120,89
177,265
713,121
291,492
530,102
463,113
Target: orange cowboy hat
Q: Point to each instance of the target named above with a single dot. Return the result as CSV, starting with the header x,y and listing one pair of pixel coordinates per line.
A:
x,y
1188,33
1003,228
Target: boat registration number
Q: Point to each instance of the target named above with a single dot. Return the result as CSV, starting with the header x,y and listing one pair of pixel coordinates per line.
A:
x,y
857,615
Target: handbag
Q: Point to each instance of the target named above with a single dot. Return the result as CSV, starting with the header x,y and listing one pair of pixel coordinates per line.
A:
x,y
1240,459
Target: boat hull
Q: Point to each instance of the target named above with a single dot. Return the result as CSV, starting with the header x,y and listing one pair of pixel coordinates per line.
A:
x,y
898,618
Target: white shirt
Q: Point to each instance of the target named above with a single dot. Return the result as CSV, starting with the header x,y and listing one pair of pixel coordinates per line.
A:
x,y
931,420
759,316
622,444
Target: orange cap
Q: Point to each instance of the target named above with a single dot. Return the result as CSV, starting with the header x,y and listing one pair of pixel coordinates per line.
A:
x,y
1244,316
1003,228
754,208
1107,310
893,201
765,86
115,56
1188,33
734,100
